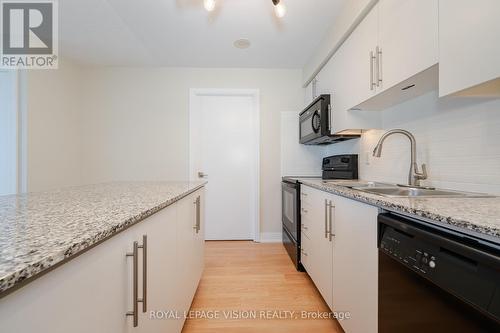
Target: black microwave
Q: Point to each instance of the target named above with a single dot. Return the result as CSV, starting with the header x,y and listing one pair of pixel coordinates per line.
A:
x,y
315,124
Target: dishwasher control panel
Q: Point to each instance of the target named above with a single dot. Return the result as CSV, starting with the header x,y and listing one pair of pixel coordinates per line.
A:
x,y
402,248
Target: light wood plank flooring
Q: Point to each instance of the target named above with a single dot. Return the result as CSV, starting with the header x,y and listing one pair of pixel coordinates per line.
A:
x,y
241,276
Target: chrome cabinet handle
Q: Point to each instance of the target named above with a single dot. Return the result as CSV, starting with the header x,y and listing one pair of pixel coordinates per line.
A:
x,y
144,248
303,194
202,175
330,233
304,226
197,225
326,218
134,313
198,214
303,252
372,59
379,66
304,210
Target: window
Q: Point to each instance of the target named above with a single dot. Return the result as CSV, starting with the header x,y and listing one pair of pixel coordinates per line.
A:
x,y
8,133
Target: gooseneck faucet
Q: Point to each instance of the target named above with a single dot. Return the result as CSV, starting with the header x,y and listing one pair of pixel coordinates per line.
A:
x,y
414,177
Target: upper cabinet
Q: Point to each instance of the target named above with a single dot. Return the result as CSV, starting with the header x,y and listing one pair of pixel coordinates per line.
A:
x,y
469,48
407,39
404,60
347,78
390,57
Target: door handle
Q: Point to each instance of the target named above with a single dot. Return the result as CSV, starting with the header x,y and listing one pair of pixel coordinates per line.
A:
x,y
134,313
202,175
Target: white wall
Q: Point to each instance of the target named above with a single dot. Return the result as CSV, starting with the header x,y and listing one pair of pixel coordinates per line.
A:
x,y
53,107
8,133
456,137
135,123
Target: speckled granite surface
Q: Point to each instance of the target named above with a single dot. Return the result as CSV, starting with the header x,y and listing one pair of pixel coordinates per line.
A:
x,y
477,216
39,230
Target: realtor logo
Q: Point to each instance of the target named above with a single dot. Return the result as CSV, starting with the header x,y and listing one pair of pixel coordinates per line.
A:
x,y
29,34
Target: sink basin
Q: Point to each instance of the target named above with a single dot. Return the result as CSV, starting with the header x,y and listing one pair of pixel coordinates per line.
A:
x,y
398,192
356,184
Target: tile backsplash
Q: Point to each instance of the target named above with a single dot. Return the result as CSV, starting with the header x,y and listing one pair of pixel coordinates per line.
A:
x,y
458,139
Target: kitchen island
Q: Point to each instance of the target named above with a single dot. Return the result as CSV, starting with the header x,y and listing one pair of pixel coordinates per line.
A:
x,y
85,237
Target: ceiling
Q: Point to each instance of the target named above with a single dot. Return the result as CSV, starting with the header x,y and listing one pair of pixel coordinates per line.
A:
x,y
180,33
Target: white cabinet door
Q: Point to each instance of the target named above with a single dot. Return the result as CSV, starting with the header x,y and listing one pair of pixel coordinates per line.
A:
x,y
408,39
355,264
190,249
348,74
316,243
91,293
162,277
353,66
199,236
469,48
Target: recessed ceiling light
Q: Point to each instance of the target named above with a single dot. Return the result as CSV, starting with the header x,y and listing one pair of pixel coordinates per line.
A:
x,y
209,5
279,8
242,43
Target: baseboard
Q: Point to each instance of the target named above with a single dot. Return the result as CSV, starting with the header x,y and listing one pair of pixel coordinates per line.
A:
x,y
270,237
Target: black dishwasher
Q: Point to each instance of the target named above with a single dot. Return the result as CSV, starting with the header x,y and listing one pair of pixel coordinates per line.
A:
x,y
435,280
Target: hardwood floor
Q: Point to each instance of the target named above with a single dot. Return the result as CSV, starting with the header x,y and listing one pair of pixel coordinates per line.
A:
x,y
250,278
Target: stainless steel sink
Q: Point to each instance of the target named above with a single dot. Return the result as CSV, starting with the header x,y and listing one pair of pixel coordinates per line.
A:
x,y
356,184
400,192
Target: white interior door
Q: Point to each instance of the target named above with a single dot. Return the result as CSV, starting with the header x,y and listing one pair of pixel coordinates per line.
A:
x,y
224,146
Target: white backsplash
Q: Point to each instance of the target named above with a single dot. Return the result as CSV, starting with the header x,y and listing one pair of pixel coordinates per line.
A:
x,y
297,159
458,139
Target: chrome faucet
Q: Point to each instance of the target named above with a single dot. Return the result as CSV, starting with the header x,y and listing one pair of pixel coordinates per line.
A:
x,y
414,177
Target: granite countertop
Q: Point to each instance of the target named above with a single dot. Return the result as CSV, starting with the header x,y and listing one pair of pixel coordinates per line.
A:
x,y
479,217
40,230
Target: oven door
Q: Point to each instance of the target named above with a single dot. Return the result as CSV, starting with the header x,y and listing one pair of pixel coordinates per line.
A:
x,y
289,208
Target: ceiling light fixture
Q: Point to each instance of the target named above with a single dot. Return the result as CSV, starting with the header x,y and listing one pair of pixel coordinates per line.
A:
x,y
209,5
279,8
242,43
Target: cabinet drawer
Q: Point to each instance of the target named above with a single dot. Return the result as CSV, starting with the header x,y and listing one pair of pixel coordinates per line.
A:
x,y
305,249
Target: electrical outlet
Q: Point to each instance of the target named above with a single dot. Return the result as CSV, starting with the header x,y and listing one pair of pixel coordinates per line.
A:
x,y
367,157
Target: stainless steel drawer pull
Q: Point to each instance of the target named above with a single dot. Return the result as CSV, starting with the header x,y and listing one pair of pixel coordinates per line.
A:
x,y
304,227
197,225
134,313
303,252
326,217
304,210
372,59
330,233
379,66
144,248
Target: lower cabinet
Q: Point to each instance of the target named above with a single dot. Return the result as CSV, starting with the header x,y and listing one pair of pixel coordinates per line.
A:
x,y
94,291
339,244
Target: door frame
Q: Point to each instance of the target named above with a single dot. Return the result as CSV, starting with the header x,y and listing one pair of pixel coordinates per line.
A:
x,y
194,94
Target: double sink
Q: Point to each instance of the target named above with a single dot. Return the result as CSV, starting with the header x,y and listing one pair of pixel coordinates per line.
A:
x,y
402,191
